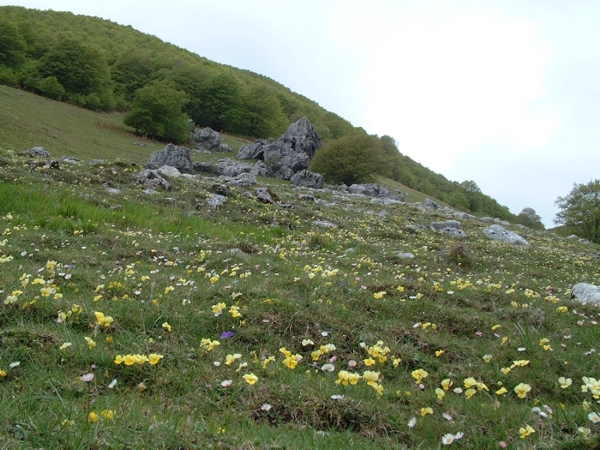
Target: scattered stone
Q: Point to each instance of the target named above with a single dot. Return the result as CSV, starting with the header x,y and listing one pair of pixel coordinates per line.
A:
x,y
37,152
97,162
370,190
453,232
446,224
216,201
70,160
499,233
231,168
431,205
221,189
113,191
207,139
264,195
403,255
151,179
305,178
168,171
248,194
586,293
307,197
260,168
385,201
324,224
171,155
243,180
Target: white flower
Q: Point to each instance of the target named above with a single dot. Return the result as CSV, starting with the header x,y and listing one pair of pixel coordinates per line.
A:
x,y
447,439
328,367
412,422
266,407
337,397
226,383
112,384
447,416
14,364
594,417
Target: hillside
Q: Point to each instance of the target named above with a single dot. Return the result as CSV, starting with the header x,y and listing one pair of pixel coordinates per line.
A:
x,y
100,65
136,319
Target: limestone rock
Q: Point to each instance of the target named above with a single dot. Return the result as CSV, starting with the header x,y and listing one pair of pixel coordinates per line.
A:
x,y
216,201
304,178
324,224
37,152
243,179
70,160
207,139
151,179
221,189
171,155
446,224
370,190
168,171
499,233
264,195
586,293
431,205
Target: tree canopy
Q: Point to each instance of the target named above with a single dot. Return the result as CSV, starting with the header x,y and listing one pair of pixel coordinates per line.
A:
x,y
580,210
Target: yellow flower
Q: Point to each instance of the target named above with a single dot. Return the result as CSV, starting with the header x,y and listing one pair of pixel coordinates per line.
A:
x,y
213,280
166,326
250,378
487,358
425,411
439,353
419,375
501,391
103,320
65,345
504,340
92,417
108,414
470,393
129,360
229,359
346,378
207,345
524,432
562,309
267,361
235,312
522,389
2,373
565,382
46,291
379,295
90,342
447,384
169,289
119,359
470,382
370,376
154,358
218,308
440,393
396,361
369,362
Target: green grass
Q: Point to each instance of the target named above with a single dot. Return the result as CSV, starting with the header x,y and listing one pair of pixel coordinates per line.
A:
x,y
159,266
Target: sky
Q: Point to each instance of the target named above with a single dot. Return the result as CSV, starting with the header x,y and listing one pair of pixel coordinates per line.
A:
x,y
506,94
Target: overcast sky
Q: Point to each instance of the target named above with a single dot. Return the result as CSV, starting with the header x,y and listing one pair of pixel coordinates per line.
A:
x,y
503,93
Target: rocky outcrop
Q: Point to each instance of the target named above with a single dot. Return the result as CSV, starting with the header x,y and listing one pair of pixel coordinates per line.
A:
x,y
168,171
370,190
304,178
37,152
151,179
451,228
586,293
499,233
209,140
171,155
287,155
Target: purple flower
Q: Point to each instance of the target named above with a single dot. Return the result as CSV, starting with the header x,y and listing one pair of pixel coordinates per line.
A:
x,y
227,334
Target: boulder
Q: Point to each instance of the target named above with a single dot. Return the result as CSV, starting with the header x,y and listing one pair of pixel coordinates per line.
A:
x,y
586,293
216,201
151,179
304,178
97,162
221,189
207,139
37,152
431,205
70,160
370,189
454,232
324,224
499,233
446,224
243,179
171,155
289,154
168,171
264,195
260,168
231,168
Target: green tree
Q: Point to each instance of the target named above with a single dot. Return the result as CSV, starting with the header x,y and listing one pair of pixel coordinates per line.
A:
x,y
12,45
157,112
354,158
530,219
262,113
580,210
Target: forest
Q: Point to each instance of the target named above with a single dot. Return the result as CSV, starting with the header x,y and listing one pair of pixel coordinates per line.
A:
x,y
103,66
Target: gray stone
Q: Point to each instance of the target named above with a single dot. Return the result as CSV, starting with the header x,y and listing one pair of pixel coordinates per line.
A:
x,y
37,152
385,201
113,191
151,179
216,201
168,171
206,167
97,162
304,178
430,204
260,168
224,148
207,140
499,233
307,198
221,189
70,160
370,190
243,180
264,195
487,219
586,293
247,194
253,151
231,168
171,155
324,224
446,224
404,255
454,232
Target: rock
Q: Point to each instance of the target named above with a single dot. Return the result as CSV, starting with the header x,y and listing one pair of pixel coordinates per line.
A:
x,y
403,255
586,293
342,188
307,198
264,195
499,233
243,180
289,154
168,171
463,215
37,152
171,155
446,224
385,201
453,232
431,205
205,167
231,168
207,139
151,179
113,191
70,159
260,168
97,162
221,189
304,178
216,201
370,190
248,194
324,224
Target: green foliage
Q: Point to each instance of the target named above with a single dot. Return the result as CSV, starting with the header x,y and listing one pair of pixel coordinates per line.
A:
x,y
580,210
157,112
355,158
530,219
51,87
12,44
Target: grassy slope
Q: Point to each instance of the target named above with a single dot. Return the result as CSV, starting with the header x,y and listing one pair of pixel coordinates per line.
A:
x,y
159,266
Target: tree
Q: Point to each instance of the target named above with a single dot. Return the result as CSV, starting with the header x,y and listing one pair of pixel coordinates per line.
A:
x,y
12,45
354,158
530,219
580,210
156,112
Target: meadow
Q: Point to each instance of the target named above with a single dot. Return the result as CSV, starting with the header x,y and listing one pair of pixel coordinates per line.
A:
x,y
138,320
